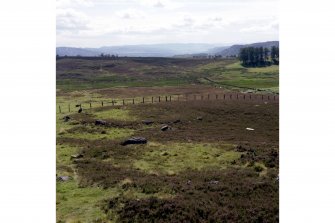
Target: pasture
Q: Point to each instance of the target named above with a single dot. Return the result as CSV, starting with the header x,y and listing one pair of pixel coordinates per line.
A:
x,y
205,165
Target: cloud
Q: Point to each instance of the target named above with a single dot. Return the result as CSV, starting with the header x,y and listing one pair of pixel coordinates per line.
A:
x,y
131,14
160,3
261,28
72,3
71,20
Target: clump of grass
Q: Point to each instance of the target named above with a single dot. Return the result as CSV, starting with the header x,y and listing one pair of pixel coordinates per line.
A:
x,y
116,114
176,157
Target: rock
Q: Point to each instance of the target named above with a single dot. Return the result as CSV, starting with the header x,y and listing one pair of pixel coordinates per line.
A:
x,y
199,118
250,129
165,127
103,132
66,118
188,182
213,182
77,156
63,178
78,105
164,153
177,121
147,122
100,122
135,140
80,110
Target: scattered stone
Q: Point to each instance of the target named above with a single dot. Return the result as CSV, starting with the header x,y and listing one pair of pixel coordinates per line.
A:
x,y
213,182
147,122
80,110
188,182
66,118
199,118
78,105
165,127
103,132
177,121
100,122
164,153
171,173
250,129
135,140
63,178
77,156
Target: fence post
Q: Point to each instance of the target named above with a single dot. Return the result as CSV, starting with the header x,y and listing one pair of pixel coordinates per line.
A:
x,y
152,99
159,98
90,105
178,98
216,96
143,100
122,101
133,101
244,97
112,102
250,96
102,103
230,96
170,97
262,97
60,111
268,97
69,108
224,96
237,95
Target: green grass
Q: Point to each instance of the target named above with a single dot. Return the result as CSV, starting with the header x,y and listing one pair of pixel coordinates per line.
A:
x,y
176,157
76,204
110,133
117,114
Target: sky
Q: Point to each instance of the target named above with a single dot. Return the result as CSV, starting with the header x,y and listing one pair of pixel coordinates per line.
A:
x,y
96,23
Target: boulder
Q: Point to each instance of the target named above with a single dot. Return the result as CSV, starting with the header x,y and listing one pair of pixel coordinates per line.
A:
x,y
199,118
77,156
66,118
100,122
80,110
134,140
177,121
63,178
147,122
165,127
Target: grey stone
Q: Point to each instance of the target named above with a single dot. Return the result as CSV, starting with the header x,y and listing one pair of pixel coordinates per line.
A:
x,y
165,127
100,122
135,140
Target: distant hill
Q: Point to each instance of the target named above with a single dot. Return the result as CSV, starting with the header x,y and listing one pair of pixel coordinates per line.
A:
x,y
235,49
152,50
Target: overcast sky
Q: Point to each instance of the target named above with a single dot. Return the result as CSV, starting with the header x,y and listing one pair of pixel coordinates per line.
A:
x,y
96,23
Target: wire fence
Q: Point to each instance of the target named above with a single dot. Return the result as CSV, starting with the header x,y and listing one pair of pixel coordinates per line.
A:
x,y
64,108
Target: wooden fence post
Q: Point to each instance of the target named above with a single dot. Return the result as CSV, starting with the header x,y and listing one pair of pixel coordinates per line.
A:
x,y
244,97
230,96
208,96
69,108
102,103
122,101
90,105
143,100
60,111
112,102
159,98
152,99
170,97
250,96
133,101
262,97
178,98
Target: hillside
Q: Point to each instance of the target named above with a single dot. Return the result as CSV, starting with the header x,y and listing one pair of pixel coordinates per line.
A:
x,y
235,49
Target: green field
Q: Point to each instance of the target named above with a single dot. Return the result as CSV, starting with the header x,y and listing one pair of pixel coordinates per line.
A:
x,y
205,166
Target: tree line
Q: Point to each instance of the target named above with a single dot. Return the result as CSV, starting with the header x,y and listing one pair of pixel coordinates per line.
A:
x,y
259,56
